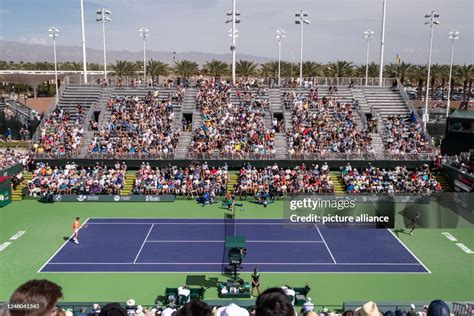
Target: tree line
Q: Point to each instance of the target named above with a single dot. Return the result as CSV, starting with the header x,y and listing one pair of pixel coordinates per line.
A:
x,y
409,74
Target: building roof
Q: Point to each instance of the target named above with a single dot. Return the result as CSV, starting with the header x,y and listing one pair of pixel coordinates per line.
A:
x,y
462,114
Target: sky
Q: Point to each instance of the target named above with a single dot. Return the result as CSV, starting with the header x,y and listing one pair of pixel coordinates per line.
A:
x,y
335,32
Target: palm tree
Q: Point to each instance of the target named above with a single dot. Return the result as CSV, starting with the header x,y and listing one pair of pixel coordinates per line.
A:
x,y
464,74
286,68
216,68
312,69
340,69
270,69
94,66
436,73
444,77
156,68
373,70
186,68
123,68
417,77
245,68
404,70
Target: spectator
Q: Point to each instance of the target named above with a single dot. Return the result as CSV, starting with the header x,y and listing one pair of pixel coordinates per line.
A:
x,y
113,309
308,306
192,181
233,124
324,126
277,181
195,308
273,302
438,308
72,179
231,310
138,127
41,292
368,309
398,180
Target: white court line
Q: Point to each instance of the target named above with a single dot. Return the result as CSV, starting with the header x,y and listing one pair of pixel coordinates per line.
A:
x,y
322,238
64,244
220,241
144,241
220,263
419,261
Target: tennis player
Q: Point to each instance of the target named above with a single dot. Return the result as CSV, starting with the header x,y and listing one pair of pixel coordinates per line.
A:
x,y
75,228
414,222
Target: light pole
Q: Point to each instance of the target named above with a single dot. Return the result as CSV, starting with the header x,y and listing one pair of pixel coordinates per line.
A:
x,y
280,34
53,33
453,36
382,42
432,21
103,16
83,41
144,34
301,19
234,19
368,35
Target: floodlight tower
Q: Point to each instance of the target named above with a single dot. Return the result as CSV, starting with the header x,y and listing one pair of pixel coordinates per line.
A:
x,y
103,16
83,41
53,33
280,34
453,36
382,42
234,18
144,34
368,35
432,20
301,18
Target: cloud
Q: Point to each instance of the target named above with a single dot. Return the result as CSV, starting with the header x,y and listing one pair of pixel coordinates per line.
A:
x,y
40,40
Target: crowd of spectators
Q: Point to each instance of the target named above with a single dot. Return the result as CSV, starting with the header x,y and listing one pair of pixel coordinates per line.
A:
x,y
271,302
10,157
72,179
232,128
390,181
324,126
280,181
138,127
404,136
191,181
463,162
61,133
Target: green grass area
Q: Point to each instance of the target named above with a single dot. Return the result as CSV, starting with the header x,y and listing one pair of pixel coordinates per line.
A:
x,y
46,225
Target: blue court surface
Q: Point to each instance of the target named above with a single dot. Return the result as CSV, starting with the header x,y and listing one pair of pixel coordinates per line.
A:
x,y
197,245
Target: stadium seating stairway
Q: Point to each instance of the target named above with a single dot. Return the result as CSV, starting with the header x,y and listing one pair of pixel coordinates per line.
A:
x,y
445,185
339,186
17,193
233,177
130,178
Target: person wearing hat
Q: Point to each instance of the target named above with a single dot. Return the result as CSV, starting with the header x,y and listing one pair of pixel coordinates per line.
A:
x,y
412,311
231,310
368,309
308,306
131,307
168,311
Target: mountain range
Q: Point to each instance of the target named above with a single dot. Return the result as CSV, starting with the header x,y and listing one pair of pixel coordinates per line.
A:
x,y
16,51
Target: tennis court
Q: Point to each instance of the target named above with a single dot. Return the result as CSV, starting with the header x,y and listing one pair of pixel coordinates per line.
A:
x,y
197,245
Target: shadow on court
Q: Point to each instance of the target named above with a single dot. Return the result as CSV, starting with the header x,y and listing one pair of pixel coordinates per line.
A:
x,y
201,280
